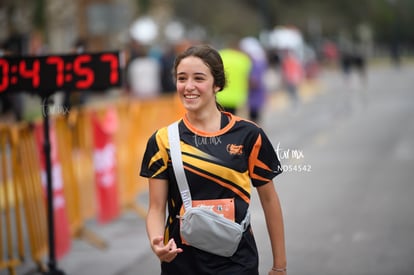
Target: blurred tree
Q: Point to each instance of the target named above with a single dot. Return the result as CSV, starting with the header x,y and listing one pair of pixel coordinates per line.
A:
x,y
389,19
143,6
248,17
39,19
220,17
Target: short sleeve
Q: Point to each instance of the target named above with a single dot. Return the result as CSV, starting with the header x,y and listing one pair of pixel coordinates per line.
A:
x,y
155,160
263,161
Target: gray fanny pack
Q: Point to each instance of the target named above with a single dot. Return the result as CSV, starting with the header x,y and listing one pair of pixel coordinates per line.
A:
x,y
202,227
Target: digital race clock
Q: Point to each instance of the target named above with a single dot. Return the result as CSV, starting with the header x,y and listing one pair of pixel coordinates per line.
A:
x,y
86,71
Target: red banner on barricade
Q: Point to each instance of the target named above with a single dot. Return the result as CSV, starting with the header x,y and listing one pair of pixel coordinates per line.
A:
x,y
104,128
61,222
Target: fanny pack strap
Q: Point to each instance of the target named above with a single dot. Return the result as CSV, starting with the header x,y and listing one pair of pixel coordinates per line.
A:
x,y
178,168
176,158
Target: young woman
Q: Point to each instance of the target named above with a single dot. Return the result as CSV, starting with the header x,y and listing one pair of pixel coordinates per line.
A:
x,y
223,157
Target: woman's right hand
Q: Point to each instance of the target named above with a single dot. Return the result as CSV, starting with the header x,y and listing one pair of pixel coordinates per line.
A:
x,y
166,253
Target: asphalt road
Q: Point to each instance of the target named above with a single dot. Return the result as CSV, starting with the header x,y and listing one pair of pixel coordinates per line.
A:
x,y
353,213
347,192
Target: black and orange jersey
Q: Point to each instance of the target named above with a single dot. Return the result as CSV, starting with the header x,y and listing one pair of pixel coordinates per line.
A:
x,y
224,164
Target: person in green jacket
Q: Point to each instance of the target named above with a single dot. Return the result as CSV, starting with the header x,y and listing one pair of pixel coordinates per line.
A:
x,y
237,65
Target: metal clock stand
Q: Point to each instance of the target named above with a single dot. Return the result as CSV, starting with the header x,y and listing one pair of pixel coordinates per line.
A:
x,y
53,269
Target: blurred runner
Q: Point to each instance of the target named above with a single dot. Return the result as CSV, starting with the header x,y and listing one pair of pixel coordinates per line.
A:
x,y
257,87
237,65
292,74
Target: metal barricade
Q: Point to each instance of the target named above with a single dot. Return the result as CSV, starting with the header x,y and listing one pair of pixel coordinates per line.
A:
x,y
75,148
11,236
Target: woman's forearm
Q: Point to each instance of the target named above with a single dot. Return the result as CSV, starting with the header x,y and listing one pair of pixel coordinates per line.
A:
x,y
155,220
274,222
155,223
275,227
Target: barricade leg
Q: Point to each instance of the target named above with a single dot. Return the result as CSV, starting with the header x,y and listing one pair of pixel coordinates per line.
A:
x,y
74,143
16,179
33,197
128,156
10,223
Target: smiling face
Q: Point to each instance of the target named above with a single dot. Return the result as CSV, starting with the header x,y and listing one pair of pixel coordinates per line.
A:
x,y
195,85
199,74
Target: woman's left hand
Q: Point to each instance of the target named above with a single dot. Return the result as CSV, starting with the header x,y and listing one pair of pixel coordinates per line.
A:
x,y
166,253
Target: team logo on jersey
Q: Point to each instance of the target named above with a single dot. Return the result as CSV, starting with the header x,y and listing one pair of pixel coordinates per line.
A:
x,y
234,149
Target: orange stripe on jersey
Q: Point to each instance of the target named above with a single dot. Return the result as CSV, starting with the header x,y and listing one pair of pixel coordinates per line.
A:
x,y
241,179
226,185
255,162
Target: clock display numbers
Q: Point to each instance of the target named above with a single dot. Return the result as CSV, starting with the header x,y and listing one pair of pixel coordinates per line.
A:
x,y
86,71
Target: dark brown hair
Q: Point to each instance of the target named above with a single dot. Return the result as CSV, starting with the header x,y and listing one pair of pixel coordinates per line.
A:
x,y
210,57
